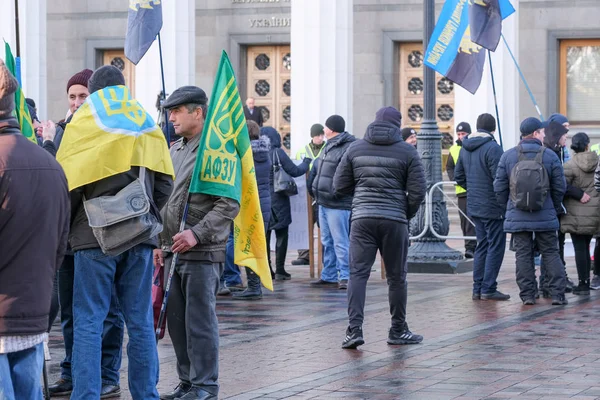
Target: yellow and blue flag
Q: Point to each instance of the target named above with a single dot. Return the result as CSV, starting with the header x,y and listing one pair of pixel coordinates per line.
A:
x,y
109,134
452,51
485,20
21,109
144,22
225,167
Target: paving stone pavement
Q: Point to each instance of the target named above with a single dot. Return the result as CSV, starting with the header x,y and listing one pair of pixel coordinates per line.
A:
x,y
288,344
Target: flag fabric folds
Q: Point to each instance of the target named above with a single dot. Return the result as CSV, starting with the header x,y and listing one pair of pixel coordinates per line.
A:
x,y
225,167
452,50
109,134
144,22
21,109
485,19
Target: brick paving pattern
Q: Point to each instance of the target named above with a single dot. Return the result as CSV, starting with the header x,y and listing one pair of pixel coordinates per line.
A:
x,y
288,345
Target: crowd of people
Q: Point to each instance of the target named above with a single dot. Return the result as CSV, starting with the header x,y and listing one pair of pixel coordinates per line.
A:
x,y
365,192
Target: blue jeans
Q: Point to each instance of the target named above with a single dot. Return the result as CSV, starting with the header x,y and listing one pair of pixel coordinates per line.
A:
x,y
20,374
112,335
131,275
489,254
231,273
335,236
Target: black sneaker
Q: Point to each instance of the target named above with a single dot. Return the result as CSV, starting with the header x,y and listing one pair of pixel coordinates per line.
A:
x,y
529,302
181,390
300,261
559,300
322,283
61,387
343,285
404,337
469,254
570,286
582,289
354,338
476,296
497,296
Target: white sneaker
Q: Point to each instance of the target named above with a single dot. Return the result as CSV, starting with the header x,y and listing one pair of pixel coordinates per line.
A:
x,y
595,283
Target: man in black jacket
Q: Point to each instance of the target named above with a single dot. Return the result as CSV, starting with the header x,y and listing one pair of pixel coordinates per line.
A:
x,y
386,177
253,113
334,210
475,171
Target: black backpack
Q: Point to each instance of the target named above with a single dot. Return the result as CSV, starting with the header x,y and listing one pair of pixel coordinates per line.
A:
x,y
529,182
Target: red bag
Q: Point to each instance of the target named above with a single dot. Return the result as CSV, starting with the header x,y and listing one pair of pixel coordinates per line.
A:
x,y
158,292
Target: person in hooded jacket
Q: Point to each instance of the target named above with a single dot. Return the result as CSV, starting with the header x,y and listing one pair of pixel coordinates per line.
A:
x,y
556,138
385,176
582,220
261,145
475,171
534,227
281,213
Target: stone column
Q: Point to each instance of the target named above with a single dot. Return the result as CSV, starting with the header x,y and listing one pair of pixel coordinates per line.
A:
x,y
321,65
32,25
178,37
469,107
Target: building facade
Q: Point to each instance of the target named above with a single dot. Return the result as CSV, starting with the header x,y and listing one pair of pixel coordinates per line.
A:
x,y
348,57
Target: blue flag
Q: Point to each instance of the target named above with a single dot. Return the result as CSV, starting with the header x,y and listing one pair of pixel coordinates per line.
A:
x,y
451,52
143,24
485,19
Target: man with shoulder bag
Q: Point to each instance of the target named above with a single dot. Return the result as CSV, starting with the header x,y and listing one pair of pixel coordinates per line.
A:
x,y
120,175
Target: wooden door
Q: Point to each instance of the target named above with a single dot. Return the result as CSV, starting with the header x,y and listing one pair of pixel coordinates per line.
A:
x,y
269,83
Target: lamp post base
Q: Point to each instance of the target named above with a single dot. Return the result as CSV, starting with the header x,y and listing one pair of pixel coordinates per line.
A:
x,y
435,257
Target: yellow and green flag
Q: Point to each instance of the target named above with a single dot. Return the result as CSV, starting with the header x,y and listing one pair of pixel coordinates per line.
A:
x,y
225,167
109,134
21,109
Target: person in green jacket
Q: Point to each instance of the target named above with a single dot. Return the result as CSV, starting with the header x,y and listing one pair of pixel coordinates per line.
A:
x,y
462,131
312,150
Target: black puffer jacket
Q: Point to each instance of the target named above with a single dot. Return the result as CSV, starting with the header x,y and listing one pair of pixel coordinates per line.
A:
x,y
322,173
262,168
384,173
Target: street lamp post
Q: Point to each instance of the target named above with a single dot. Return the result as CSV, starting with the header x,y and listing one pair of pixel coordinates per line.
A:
x,y
430,253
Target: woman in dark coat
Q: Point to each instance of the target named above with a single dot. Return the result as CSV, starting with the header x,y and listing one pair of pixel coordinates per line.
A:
x,y
281,214
261,148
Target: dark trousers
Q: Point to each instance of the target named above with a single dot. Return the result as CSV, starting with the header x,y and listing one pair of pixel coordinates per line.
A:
x,y
281,246
391,239
489,254
597,257
547,244
467,228
581,244
192,322
561,252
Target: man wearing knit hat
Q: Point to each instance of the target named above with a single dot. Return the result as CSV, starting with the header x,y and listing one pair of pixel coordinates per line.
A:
x,y
409,135
334,211
475,171
312,150
112,336
386,178
533,221
35,224
468,229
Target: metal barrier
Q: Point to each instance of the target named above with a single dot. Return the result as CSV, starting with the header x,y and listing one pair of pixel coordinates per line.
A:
x,y
439,186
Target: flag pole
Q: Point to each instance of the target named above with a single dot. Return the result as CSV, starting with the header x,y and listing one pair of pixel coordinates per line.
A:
x,y
495,99
18,41
163,308
164,93
523,78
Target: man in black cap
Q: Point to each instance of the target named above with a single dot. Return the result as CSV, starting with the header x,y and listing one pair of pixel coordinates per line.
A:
x,y
533,198
409,135
386,180
334,211
191,314
475,171
468,229
312,151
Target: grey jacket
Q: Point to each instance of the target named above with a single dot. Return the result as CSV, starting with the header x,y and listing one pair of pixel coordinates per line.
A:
x,y
209,217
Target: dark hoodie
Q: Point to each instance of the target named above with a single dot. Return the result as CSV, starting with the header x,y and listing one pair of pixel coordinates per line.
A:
x,y
554,132
476,171
281,214
262,167
384,173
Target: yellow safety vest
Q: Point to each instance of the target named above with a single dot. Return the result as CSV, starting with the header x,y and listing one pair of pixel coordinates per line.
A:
x,y
596,148
454,153
307,152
